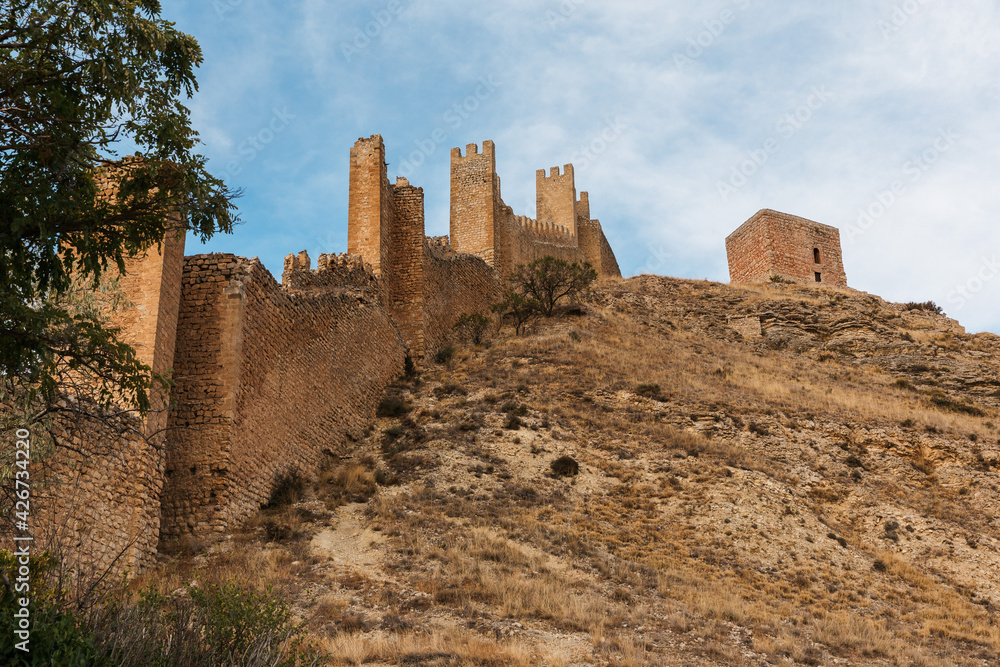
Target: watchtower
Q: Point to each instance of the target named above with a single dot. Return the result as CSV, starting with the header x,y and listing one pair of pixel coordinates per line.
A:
x,y
773,244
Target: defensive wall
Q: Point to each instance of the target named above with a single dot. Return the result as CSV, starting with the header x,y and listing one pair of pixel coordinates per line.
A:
x,y
267,377
484,226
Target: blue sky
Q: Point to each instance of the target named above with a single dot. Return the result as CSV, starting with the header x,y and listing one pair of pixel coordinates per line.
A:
x,y
682,119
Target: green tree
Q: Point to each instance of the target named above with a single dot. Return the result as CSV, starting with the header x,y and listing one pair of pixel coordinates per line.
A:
x,y
78,82
548,280
517,309
472,327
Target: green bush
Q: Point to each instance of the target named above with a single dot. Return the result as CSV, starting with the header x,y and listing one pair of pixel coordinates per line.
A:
x,y
225,624
548,280
58,636
472,327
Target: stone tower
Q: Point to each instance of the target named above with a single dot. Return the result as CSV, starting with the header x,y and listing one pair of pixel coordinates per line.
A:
x,y
774,244
475,203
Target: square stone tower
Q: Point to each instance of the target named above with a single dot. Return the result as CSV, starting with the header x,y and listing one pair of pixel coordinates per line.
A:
x,y
777,244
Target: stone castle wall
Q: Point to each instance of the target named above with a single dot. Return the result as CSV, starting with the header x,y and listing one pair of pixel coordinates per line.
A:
x,y
482,225
267,379
267,376
777,244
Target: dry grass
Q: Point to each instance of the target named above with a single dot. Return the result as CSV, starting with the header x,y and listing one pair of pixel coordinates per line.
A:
x,y
740,504
435,647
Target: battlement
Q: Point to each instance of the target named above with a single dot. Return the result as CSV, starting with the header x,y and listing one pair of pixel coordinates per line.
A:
x,y
472,152
555,173
543,230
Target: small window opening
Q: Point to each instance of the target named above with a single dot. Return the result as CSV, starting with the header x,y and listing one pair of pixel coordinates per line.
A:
x,y
816,257
819,277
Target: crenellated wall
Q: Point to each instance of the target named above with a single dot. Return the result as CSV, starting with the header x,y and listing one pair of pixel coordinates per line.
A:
x,y
482,225
268,376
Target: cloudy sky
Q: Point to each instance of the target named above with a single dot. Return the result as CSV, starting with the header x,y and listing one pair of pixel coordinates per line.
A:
x,y
683,119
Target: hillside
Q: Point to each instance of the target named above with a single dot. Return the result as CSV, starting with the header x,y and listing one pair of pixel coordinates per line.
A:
x,y
821,493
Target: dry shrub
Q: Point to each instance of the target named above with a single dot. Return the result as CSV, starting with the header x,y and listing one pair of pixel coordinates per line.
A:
x,y
350,483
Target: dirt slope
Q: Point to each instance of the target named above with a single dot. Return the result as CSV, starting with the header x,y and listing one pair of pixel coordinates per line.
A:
x,y
819,488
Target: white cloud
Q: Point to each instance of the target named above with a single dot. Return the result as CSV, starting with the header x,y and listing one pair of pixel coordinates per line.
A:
x,y
567,66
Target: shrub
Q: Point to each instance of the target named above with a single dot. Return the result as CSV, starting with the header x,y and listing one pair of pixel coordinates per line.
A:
x,y
927,306
513,423
472,327
218,624
350,483
649,390
944,402
565,466
445,354
781,280
286,489
517,309
392,406
58,635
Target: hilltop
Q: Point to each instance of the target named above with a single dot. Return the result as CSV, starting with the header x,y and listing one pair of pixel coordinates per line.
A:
x,y
770,474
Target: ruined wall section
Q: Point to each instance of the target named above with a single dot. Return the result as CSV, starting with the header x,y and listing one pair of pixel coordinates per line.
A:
x,y
777,244
454,284
252,349
338,273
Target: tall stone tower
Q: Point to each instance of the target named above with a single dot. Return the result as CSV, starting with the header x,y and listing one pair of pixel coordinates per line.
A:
x,y
774,244
475,203
369,203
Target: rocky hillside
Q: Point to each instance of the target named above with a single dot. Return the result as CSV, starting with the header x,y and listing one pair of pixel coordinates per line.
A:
x,y
675,473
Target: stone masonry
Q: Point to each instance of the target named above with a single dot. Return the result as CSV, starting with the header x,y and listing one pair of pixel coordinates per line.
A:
x,y
482,225
268,377
773,244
